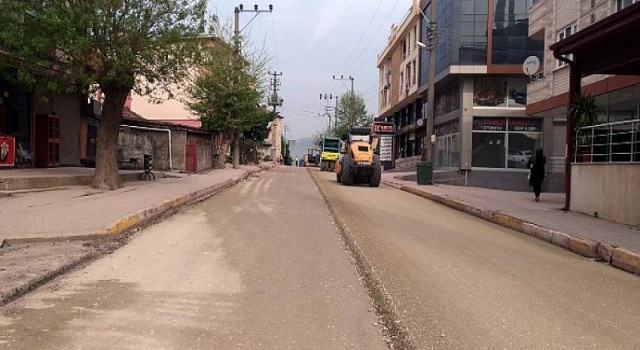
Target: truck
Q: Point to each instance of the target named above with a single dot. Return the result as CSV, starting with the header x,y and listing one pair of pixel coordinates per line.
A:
x,y
358,162
329,153
312,158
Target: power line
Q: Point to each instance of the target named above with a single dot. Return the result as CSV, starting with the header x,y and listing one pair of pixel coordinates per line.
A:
x,y
361,36
374,34
330,84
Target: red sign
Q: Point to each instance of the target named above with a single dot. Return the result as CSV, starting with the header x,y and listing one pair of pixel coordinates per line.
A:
x,y
489,124
384,128
7,151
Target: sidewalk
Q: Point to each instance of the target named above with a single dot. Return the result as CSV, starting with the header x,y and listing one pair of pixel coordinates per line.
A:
x,y
614,243
82,212
45,234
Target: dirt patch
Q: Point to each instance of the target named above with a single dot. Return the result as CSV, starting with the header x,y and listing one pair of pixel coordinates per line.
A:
x,y
22,264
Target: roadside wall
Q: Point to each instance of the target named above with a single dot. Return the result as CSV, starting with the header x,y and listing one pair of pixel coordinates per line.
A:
x,y
135,143
610,190
204,150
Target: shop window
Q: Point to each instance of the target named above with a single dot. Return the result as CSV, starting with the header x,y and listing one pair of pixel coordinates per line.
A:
x,y
505,142
448,100
622,4
497,91
446,147
488,150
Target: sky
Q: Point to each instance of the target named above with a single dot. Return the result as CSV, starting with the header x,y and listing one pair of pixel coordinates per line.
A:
x,y
311,41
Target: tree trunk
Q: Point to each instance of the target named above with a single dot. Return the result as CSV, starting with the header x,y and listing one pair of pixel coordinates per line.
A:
x,y
236,150
106,176
222,153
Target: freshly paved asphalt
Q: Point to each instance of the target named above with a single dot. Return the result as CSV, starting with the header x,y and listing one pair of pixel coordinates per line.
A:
x,y
458,282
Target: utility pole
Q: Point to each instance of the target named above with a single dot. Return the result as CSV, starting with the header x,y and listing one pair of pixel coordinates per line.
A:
x,y
351,97
275,101
236,43
428,144
327,109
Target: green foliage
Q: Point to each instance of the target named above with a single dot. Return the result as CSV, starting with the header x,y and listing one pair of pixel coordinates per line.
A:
x,y
585,113
225,94
117,44
352,109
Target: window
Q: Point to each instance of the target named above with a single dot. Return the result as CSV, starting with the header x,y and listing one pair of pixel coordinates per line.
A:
x,y
413,72
500,91
447,153
404,50
505,142
622,4
563,34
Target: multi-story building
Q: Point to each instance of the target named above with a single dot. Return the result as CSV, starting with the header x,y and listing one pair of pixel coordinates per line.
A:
x,y
548,96
592,49
481,128
399,67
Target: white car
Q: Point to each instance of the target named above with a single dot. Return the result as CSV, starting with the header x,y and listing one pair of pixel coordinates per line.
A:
x,y
520,157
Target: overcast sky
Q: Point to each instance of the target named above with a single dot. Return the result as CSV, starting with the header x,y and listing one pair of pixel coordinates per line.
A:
x,y
310,41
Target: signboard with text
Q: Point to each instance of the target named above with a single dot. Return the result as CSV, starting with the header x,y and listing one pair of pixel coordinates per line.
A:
x,y
525,124
386,148
489,124
384,128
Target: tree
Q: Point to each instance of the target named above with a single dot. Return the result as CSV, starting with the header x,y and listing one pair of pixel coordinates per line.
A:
x,y
114,46
354,110
226,97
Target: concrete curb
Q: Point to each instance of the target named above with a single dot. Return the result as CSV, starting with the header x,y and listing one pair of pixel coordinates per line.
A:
x,y
142,217
118,228
621,258
38,281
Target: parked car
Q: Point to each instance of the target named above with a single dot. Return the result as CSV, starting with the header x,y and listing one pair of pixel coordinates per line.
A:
x,y
489,98
520,157
520,97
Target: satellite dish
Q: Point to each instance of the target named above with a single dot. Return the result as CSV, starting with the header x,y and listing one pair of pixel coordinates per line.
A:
x,y
531,65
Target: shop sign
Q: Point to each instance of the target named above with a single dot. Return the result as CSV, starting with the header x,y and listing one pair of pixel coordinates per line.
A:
x,y
489,124
525,124
7,151
384,128
386,148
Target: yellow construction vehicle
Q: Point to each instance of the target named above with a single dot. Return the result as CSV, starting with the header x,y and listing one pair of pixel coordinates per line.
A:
x,y
358,163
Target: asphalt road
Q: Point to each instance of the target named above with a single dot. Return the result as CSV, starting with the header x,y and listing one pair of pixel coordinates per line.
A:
x,y
458,282
260,266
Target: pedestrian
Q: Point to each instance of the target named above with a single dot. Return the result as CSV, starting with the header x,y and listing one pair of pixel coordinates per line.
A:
x,y
296,163
536,165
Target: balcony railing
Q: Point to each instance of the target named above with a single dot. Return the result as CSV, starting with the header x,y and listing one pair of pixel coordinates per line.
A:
x,y
606,143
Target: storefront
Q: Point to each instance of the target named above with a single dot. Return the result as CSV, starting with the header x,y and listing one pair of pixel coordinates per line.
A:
x,y
505,143
448,145
15,121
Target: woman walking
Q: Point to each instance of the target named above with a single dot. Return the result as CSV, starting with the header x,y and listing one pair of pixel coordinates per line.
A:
x,y
536,163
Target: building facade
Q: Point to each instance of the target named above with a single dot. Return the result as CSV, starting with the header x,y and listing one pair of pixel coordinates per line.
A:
x,y
593,50
483,136
398,70
617,96
47,131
